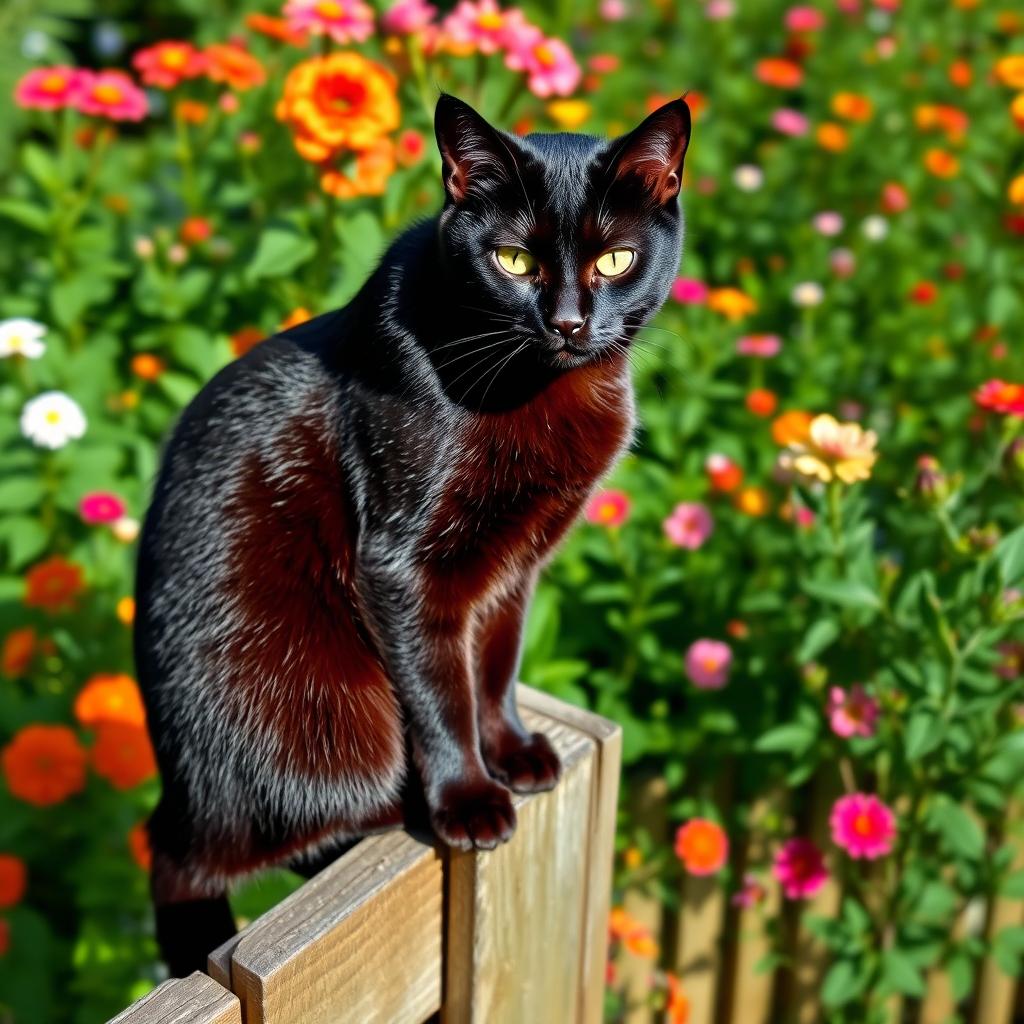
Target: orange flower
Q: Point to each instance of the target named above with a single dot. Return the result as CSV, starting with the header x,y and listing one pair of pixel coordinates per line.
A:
x,y
1015,192
632,934
125,611
942,117
702,846
44,764
138,845
276,28
941,163
372,168
792,427
234,65
336,103
779,72
753,501
110,698
12,879
194,230
731,303
191,111
762,402
832,136
1010,70
1017,110
852,106
122,754
18,651
299,315
147,366
960,74
245,339
678,1005
53,585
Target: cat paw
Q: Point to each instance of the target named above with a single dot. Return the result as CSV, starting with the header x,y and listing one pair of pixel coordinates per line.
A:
x,y
527,766
475,817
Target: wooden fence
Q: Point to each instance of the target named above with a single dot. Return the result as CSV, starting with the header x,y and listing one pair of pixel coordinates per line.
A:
x,y
399,932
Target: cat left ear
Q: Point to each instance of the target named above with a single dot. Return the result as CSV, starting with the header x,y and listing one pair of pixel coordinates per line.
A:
x,y
653,153
474,153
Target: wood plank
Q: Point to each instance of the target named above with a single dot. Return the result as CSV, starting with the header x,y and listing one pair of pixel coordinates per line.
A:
x,y
515,944
358,944
604,807
938,1005
196,999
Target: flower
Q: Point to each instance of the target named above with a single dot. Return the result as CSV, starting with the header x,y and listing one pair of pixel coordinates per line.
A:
x,y
12,880
345,21
125,611
19,648
875,228
941,163
549,65
147,366
53,585
708,663
569,114
835,451
779,72
842,261
123,755
1009,70
110,698
748,177
852,106
138,845
50,88
731,303
1002,397
1017,110
631,933
863,826
832,137
689,525
299,315
44,764
760,346
792,427
608,508
194,230
338,103
723,474
790,122
689,291
852,712
275,28
828,223
111,94
372,167
895,198
20,336
923,293
807,294
407,17
804,19
702,846
125,529
167,64
100,507
799,867
245,339
234,66
52,419
750,893
1015,191
753,501
476,26
677,1006
761,402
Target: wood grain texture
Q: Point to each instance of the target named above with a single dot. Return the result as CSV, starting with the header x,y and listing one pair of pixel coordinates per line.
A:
x,y
516,916
607,736
196,999
358,944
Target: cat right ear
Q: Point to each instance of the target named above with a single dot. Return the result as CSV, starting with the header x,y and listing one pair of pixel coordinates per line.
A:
x,y
473,153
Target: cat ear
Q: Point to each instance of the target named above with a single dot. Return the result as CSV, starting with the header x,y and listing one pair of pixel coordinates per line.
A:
x,y
473,153
653,153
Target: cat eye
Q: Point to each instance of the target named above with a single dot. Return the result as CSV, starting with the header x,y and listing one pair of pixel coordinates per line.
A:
x,y
515,260
615,262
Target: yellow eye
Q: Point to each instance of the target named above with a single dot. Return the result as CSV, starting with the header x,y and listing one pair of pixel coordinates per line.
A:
x,y
515,260
615,262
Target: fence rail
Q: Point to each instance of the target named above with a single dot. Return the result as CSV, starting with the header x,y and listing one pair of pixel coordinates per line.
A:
x,y
399,932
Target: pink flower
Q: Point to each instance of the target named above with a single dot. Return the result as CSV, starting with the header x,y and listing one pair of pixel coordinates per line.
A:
x,y
344,21
863,826
613,10
790,122
101,507
842,262
763,346
689,526
800,868
111,94
749,894
804,19
517,33
166,64
549,65
804,517
708,663
50,88
852,712
608,508
828,223
719,10
689,291
407,17
477,24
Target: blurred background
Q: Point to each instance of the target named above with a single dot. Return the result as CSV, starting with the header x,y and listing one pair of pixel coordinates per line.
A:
x,y
800,593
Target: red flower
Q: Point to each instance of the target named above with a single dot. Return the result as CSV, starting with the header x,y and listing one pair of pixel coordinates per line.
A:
x,y
923,293
1002,397
168,63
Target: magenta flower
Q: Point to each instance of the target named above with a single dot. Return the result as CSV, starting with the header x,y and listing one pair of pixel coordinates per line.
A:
x,y
749,894
800,868
345,21
608,508
111,94
689,291
549,65
689,526
761,346
50,88
852,712
804,19
101,507
863,826
478,24
708,663
790,122
407,17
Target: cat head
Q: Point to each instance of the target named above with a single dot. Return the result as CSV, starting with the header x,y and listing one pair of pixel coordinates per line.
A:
x,y
566,241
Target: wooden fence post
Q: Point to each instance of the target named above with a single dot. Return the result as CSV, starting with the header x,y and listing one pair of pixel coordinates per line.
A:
x,y
196,999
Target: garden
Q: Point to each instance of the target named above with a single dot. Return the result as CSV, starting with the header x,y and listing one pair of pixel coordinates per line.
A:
x,y
801,593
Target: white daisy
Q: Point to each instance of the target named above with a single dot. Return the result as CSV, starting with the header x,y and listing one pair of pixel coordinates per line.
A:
x,y
808,294
52,419
748,177
22,337
875,227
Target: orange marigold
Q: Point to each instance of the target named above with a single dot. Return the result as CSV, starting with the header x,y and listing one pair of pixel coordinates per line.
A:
x,y
246,338
234,66
731,303
276,28
125,611
110,698
1010,70
371,170
138,845
831,136
123,755
779,72
12,879
53,585
677,1006
299,315
852,106
792,427
960,74
702,846
941,163
761,402
147,366
44,764
18,651
753,501
336,103
1017,110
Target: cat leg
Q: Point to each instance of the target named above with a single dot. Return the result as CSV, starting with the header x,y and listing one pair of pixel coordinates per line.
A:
x,y
526,762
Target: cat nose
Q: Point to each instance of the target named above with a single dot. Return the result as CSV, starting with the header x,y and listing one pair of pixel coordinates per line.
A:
x,y
567,328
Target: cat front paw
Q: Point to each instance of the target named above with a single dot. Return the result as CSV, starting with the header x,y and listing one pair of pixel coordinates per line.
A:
x,y
477,816
526,766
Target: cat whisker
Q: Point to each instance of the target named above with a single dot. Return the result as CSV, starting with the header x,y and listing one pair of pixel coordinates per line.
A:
x,y
497,373
473,366
482,348
468,338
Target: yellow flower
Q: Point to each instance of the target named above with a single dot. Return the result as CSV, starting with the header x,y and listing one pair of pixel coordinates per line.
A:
x,y
569,114
731,303
834,451
1010,70
1016,190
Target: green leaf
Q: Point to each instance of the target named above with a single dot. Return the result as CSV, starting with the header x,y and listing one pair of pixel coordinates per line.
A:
x,y
28,215
924,733
41,167
842,984
846,593
960,833
901,974
279,251
20,493
1010,555
795,738
178,387
1013,885
25,538
821,635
